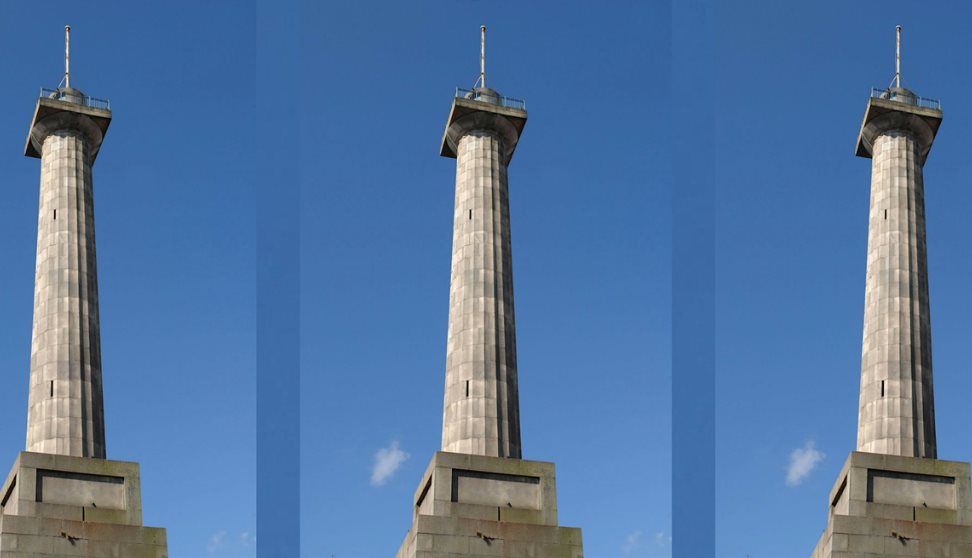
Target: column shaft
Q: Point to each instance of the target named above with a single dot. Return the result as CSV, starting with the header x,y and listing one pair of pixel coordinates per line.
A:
x,y
65,410
897,412
481,411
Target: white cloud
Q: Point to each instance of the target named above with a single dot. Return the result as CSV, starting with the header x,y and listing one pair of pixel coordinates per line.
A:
x,y
387,461
640,544
216,542
631,542
802,461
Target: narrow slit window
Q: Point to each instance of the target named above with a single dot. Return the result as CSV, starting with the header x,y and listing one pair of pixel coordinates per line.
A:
x,y
882,388
470,214
467,388
55,215
885,214
52,388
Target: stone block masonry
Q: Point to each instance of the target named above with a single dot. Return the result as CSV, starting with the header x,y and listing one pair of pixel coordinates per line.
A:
x,y
481,409
897,406
65,407
62,497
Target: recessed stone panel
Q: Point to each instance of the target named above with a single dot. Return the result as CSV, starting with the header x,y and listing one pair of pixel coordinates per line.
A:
x,y
75,489
494,489
909,489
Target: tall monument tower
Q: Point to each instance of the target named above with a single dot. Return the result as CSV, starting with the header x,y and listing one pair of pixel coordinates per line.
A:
x,y
481,414
897,408
62,496
65,413
893,497
477,496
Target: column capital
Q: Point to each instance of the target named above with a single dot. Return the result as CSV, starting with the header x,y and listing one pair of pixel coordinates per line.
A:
x,y
468,114
52,115
883,115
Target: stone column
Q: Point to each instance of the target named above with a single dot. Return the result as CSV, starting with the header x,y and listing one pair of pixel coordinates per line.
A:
x,y
897,411
481,411
65,409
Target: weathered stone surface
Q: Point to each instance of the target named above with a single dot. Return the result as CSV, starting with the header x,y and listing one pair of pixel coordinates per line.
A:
x,y
481,412
57,505
892,497
65,407
62,498
42,537
514,515
925,510
68,487
477,497
897,409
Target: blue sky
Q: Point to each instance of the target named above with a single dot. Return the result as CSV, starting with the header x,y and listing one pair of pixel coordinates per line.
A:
x,y
791,222
591,217
590,209
174,218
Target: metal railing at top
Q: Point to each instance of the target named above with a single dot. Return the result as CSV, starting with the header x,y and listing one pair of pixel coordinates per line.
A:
x,y
905,98
67,96
500,100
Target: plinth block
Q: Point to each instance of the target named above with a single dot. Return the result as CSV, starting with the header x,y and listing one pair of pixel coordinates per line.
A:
x,y
889,505
474,505
57,505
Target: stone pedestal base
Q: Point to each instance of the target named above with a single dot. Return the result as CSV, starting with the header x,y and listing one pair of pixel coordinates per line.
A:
x,y
473,505
57,505
888,505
